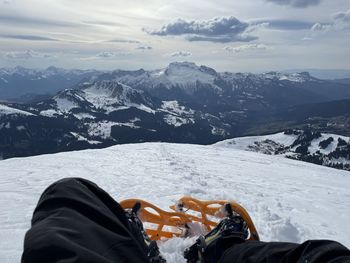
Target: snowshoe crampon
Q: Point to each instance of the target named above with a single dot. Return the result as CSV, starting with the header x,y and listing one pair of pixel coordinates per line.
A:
x,y
160,224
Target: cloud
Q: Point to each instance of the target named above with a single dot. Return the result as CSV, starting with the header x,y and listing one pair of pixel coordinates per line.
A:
x,y
282,24
296,3
318,27
220,29
102,23
121,40
28,37
243,48
108,54
340,22
28,54
181,54
257,25
307,39
144,48
38,22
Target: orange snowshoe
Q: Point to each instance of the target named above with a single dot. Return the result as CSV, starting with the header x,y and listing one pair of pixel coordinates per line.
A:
x,y
160,224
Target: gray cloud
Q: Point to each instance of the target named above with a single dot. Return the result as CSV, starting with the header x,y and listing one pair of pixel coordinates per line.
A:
x,y
102,23
111,54
28,37
296,3
220,29
20,20
243,48
341,21
28,54
181,54
342,16
144,48
124,41
120,40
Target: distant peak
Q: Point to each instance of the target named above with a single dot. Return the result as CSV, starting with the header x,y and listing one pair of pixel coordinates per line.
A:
x,y
52,68
184,64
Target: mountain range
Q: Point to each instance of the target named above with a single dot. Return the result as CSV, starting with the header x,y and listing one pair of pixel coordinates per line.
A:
x,y
183,103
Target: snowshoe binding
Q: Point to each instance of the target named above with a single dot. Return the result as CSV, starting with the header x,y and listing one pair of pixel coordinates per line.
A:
x,y
151,246
230,229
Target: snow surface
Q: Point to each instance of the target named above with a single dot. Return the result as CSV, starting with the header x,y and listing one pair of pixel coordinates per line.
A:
x,y
176,121
288,200
5,110
108,96
101,129
243,143
84,115
286,140
65,105
173,106
177,113
82,138
49,113
182,73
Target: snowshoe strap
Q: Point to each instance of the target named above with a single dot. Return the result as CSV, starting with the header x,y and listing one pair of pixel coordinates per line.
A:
x,y
209,209
157,222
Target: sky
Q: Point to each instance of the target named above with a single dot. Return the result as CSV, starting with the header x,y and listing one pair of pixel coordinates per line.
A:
x,y
228,35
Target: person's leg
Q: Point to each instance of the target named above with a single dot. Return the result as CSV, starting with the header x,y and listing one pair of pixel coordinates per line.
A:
x,y
76,221
227,243
310,251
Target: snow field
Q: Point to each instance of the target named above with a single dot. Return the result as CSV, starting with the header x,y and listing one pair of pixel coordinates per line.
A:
x,y
288,200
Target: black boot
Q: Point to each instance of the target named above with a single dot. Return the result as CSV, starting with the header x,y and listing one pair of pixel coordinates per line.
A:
x,y
136,227
209,248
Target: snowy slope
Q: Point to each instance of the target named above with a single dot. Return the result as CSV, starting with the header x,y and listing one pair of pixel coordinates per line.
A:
x,y
6,110
322,148
288,200
285,140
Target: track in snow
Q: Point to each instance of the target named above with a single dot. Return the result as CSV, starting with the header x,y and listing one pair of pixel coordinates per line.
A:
x,y
288,200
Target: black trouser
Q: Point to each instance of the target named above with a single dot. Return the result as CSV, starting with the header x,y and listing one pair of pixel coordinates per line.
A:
x,y
76,221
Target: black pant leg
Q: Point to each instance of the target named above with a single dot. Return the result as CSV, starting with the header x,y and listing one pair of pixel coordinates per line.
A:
x,y
309,252
76,221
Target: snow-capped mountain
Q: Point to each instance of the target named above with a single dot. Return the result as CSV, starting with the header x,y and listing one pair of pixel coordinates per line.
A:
x,y
185,81
321,148
97,114
184,75
288,200
183,102
204,88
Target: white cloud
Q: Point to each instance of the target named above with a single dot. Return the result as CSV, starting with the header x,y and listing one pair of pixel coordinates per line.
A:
x,y
108,54
307,39
296,3
257,26
116,28
318,27
244,48
144,47
341,21
181,54
27,54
